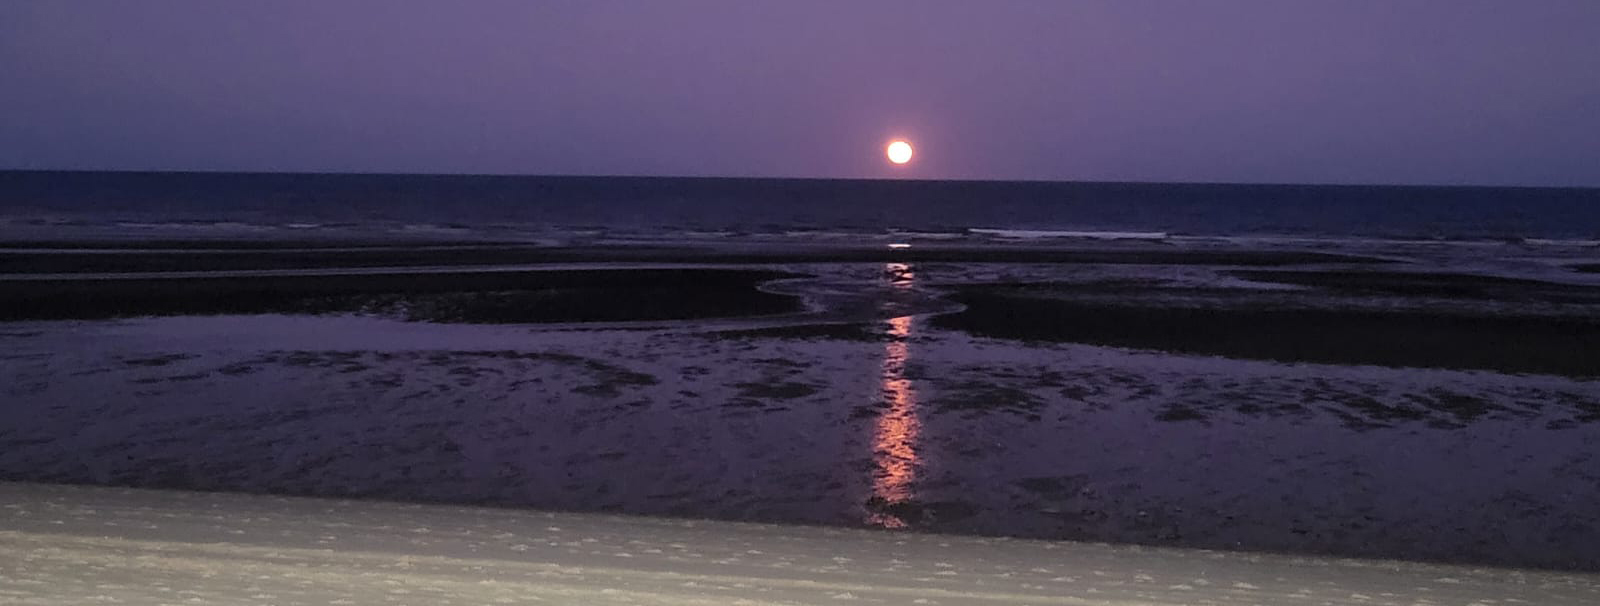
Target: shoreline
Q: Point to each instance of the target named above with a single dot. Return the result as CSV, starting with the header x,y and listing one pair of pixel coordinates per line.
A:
x,y
1287,306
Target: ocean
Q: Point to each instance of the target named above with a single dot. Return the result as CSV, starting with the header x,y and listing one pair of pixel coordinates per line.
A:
x,y
33,202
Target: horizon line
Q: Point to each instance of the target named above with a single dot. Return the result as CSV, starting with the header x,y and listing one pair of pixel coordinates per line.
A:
x,y
750,178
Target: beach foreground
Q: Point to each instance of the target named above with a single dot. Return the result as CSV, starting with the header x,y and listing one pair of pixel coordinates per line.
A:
x,y
61,544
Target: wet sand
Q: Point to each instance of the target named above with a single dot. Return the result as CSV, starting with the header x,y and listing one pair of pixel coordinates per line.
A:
x,y
921,428
1429,284
1328,411
1423,339
596,295
67,257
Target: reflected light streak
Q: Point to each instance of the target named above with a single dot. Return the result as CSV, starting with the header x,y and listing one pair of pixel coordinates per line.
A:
x,y
894,440
900,275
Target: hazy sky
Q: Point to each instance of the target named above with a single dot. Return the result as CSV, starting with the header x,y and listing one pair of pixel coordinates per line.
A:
x,y
1377,91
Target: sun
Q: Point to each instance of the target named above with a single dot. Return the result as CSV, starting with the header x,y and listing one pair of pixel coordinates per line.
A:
x,y
899,152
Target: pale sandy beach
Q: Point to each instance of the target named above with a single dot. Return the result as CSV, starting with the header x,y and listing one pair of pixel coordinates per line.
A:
x,y
67,544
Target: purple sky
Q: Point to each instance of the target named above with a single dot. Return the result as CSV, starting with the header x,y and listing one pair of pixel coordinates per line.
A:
x,y
1340,91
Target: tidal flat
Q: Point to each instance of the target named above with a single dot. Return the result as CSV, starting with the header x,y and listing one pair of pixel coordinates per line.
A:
x,y
1098,401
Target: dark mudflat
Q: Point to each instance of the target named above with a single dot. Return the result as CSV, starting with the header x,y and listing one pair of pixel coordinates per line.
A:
x,y
485,297
827,332
1518,344
242,244
1462,286
65,260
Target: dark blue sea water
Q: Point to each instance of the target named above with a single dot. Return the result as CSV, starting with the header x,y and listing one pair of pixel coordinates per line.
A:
x,y
757,205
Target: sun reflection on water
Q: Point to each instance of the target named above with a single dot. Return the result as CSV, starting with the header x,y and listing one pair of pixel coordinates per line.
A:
x,y
894,438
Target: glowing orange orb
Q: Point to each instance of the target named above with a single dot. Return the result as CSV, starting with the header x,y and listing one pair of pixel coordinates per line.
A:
x,y
899,152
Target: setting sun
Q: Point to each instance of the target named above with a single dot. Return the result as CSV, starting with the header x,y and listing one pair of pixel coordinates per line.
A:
x,y
899,152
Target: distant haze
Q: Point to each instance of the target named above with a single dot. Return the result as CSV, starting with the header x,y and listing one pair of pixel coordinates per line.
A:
x,y
1336,91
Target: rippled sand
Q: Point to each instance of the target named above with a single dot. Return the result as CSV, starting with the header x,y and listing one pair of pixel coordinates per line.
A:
x,y
897,425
